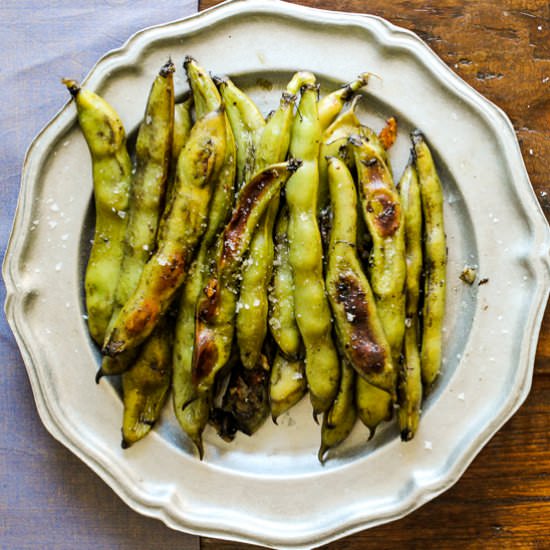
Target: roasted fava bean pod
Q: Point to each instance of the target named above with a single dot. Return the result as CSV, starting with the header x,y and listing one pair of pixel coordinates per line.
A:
x,y
216,307
153,152
306,257
360,334
410,379
183,224
381,209
112,168
435,260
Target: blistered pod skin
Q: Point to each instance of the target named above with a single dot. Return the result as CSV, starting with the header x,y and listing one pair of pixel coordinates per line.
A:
x,y
361,337
153,153
112,168
216,307
410,379
381,208
435,260
313,314
183,224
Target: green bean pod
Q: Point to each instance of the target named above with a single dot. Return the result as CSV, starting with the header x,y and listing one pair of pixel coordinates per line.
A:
x,y
374,405
251,320
287,384
282,314
306,257
184,222
435,260
146,385
339,420
247,124
216,308
111,168
382,213
331,104
360,333
410,378
191,408
153,152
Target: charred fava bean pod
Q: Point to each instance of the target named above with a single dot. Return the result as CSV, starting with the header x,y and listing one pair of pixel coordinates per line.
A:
x,y
287,384
360,333
313,314
339,420
331,105
382,213
251,321
153,152
435,260
215,313
145,386
282,314
191,408
410,379
247,124
112,169
184,222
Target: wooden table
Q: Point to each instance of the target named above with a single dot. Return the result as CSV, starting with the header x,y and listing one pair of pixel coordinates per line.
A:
x,y
501,48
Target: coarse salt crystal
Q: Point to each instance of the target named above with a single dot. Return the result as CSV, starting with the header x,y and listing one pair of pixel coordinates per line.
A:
x,y
461,396
428,445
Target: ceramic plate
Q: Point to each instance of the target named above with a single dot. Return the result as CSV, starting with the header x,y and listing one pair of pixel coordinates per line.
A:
x,y
270,489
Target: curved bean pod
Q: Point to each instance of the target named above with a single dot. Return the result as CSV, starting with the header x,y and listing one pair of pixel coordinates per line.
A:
x,y
381,209
153,152
306,257
112,168
410,379
374,405
282,314
360,333
435,261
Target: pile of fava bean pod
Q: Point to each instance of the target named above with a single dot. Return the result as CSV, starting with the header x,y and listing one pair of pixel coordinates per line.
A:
x,y
240,262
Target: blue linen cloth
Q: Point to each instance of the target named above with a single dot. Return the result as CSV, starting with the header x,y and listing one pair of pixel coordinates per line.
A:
x,y
49,499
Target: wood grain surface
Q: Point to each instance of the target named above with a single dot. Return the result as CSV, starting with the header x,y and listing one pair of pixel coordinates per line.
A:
x,y
501,48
